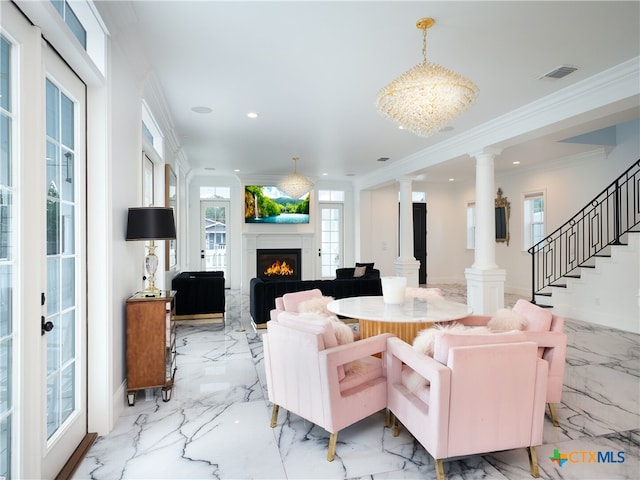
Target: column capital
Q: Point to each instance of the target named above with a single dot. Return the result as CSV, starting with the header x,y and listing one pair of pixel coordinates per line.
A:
x,y
406,178
486,152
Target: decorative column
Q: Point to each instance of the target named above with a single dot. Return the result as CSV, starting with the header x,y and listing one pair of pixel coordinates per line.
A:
x,y
485,281
406,265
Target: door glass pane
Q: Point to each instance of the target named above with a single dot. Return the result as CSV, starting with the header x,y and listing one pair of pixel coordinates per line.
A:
x,y
61,298
53,297
67,333
67,180
5,149
66,123
53,112
215,236
68,293
5,378
7,241
67,228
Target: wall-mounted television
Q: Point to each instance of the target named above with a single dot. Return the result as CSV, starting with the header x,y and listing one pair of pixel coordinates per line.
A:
x,y
268,204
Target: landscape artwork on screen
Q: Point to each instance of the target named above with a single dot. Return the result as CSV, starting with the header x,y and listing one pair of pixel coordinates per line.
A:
x,y
268,204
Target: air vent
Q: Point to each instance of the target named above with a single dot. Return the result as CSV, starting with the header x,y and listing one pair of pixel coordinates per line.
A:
x,y
560,72
382,159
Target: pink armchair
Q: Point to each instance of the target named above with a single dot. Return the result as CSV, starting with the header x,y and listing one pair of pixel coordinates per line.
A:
x,y
547,330
290,302
485,393
310,375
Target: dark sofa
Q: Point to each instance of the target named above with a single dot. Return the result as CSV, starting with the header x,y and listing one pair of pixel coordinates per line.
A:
x,y
199,295
263,293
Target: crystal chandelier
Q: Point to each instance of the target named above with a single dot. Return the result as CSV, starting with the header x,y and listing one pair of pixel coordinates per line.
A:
x,y
428,96
295,185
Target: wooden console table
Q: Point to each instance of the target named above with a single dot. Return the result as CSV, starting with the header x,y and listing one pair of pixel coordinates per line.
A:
x,y
151,344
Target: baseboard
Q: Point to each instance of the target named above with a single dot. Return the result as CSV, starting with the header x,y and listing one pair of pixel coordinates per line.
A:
x,y
200,316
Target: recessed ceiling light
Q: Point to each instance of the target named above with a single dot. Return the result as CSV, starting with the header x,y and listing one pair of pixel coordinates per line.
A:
x,y
382,159
451,179
236,170
325,174
516,162
201,110
400,127
252,115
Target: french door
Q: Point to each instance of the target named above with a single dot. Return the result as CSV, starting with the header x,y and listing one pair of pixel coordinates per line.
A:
x,y
331,243
43,408
64,260
214,248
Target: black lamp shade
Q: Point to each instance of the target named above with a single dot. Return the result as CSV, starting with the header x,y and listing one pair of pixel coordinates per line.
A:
x,y
151,223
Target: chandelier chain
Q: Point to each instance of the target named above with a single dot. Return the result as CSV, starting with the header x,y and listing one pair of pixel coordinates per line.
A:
x,y
424,46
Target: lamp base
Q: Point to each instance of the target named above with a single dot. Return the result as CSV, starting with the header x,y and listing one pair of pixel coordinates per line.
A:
x,y
151,265
151,293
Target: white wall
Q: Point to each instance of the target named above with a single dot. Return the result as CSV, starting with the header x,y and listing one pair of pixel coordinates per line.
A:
x,y
126,169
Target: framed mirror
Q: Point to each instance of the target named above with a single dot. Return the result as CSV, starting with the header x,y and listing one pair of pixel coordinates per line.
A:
x,y
171,200
503,212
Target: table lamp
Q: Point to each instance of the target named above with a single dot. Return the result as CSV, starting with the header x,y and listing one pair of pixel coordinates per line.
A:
x,y
151,223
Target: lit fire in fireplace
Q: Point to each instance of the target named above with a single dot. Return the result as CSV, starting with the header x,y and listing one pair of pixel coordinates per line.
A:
x,y
279,268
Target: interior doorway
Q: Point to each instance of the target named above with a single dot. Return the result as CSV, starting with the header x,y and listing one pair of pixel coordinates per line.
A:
x,y
420,239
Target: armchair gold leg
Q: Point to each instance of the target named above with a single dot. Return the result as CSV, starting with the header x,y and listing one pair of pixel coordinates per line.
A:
x,y
439,469
554,416
332,446
387,422
274,415
396,428
533,462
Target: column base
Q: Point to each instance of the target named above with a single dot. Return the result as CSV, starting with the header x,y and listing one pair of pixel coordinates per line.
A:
x,y
407,268
485,290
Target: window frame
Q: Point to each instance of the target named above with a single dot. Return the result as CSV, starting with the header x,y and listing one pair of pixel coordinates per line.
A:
x,y
528,222
471,225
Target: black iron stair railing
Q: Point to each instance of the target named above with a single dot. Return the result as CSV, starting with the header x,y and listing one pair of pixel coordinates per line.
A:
x,y
603,222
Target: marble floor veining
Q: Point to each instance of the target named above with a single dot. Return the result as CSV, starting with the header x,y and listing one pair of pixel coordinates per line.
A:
x,y
217,422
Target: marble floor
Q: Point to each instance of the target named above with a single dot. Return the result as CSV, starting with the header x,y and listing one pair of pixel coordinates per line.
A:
x,y
217,422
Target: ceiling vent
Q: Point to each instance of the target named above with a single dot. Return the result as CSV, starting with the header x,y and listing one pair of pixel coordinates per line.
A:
x,y
382,159
560,72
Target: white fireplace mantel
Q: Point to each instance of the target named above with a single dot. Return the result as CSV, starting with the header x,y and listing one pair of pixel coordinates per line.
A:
x,y
251,242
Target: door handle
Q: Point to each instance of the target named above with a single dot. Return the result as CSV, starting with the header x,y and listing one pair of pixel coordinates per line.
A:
x,y
45,326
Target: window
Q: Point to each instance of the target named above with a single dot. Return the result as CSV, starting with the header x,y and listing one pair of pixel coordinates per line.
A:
x,y
215,193
417,197
471,225
331,196
72,21
151,133
534,206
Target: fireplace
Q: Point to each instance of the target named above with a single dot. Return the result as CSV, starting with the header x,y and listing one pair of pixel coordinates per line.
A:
x,y
281,263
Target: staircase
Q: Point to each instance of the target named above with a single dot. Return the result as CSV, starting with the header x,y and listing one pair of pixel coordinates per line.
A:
x,y
607,292
589,268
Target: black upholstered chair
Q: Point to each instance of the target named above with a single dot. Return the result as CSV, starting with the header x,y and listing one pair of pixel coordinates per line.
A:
x,y
199,295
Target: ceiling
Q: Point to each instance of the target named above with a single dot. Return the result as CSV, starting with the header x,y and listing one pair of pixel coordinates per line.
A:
x,y
311,70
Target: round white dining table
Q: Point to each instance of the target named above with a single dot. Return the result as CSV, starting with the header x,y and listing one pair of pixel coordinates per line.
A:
x,y
404,320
